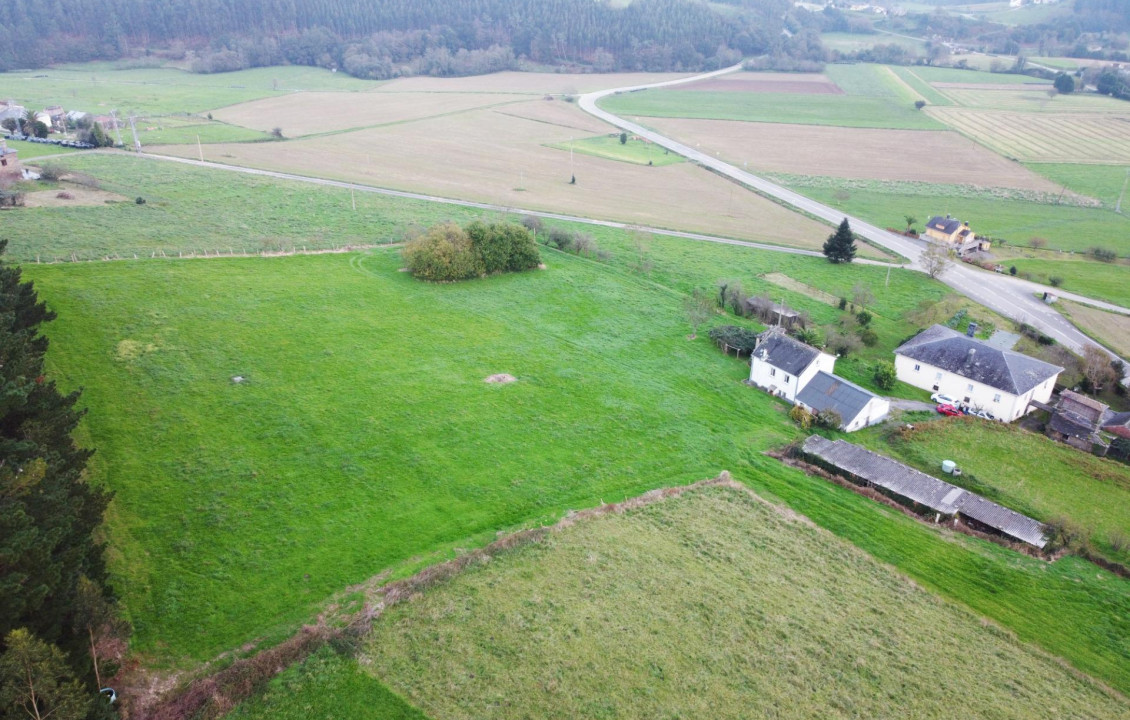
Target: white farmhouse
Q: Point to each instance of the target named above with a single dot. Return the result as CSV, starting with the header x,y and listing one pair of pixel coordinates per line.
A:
x,y
783,365
856,407
975,373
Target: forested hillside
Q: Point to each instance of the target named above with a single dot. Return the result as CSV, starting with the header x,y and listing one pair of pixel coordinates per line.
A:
x,y
386,38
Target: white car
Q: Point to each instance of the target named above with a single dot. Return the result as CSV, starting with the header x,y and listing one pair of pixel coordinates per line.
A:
x,y
943,399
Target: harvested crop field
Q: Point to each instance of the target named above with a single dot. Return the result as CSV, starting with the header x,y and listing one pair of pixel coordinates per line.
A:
x,y
711,604
1067,138
498,158
854,152
1112,329
313,113
528,83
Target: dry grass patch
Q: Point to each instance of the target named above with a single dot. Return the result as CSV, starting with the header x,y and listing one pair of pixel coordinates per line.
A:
x,y
495,157
557,112
529,83
70,196
710,604
1050,137
782,280
854,152
1111,329
319,112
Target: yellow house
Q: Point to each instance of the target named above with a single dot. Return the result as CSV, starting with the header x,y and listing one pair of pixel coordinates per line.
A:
x,y
955,234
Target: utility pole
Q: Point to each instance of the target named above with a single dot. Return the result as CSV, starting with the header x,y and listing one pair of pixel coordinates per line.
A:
x,y
888,282
117,126
199,149
133,128
353,198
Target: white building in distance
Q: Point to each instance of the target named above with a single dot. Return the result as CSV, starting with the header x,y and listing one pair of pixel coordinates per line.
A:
x,y
976,374
783,365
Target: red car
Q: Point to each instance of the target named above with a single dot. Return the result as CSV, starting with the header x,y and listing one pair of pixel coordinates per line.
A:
x,y
949,410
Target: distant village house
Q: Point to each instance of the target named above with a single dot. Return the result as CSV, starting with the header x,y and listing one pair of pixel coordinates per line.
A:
x,y
10,169
954,234
1001,382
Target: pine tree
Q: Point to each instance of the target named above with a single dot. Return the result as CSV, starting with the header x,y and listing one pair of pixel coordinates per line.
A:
x,y
840,246
48,513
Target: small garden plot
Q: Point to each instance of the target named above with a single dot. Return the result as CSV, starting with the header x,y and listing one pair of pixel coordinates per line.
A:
x,y
710,604
788,283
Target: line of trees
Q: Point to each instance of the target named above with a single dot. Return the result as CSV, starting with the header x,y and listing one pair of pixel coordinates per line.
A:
x,y
55,610
386,38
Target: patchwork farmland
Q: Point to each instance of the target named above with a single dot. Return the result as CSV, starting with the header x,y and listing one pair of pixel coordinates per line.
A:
x,y
1050,138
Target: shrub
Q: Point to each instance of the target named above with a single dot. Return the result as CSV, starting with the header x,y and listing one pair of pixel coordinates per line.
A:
x,y
533,223
869,337
1012,270
738,338
442,254
829,419
560,238
1055,280
811,336
919,104
140,200
583,244
843,343
52,173
885,374
843,303
864,318
1104,255
801,417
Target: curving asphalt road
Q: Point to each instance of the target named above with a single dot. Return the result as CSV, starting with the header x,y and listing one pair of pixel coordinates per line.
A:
x,y
1012,297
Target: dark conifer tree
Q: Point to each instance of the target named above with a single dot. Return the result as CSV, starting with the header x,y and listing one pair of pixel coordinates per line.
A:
x,y
840,245
48,513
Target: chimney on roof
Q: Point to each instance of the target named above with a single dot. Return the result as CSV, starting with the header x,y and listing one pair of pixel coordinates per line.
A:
x,y
971,330
947,216
969,356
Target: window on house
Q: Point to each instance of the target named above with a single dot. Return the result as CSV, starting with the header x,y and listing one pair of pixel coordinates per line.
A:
x,y
786,379
997,398
772,372
917,367
938,377
969,387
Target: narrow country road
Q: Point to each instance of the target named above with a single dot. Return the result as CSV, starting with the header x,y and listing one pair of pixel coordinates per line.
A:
x,y
1014,298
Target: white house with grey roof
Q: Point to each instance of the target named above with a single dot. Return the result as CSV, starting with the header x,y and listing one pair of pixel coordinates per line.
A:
x,y
783,365
857,407
976,374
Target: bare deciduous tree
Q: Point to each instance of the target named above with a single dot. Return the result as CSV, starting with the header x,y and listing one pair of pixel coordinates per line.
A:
x,y
936,259
698,307
1096,367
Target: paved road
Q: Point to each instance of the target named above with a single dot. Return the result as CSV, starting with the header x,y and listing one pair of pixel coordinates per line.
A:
x,y
1009,296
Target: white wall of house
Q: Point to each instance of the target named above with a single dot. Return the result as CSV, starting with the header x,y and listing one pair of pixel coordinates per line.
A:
x,y
1001,404
767,377
873,413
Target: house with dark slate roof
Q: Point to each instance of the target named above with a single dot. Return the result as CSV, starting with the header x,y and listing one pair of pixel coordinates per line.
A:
x,y
783,365
858,408
976,374
954,234
1077,421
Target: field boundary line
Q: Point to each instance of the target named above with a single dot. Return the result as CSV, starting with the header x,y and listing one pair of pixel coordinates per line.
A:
x,y
406,121
211,695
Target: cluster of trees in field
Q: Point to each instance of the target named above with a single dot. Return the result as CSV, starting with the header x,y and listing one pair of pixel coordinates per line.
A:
x,y
56,616
386,38
447,252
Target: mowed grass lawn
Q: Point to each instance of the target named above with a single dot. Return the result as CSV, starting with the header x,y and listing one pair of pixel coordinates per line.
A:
x,y
1080,274
712,604
634,151
1024,471
364,435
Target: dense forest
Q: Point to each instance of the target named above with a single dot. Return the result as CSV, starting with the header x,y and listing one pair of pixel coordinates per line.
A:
x,y
386,38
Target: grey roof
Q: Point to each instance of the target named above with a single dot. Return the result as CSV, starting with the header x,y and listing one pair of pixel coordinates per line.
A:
x,y
14,112
1118,423
924,489
979,361
784,353
947,225
828,392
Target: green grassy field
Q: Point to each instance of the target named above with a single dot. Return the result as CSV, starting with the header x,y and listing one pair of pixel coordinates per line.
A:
x,y
1105,281
1023,471
184,213
852,42
1064,227
1102,182
365,435
980,77
922,87
634,151
839,110
684,609
179,130
98,88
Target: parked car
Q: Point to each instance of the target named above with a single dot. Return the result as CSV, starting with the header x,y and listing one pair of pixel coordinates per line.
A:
x,y
948,410
943,399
